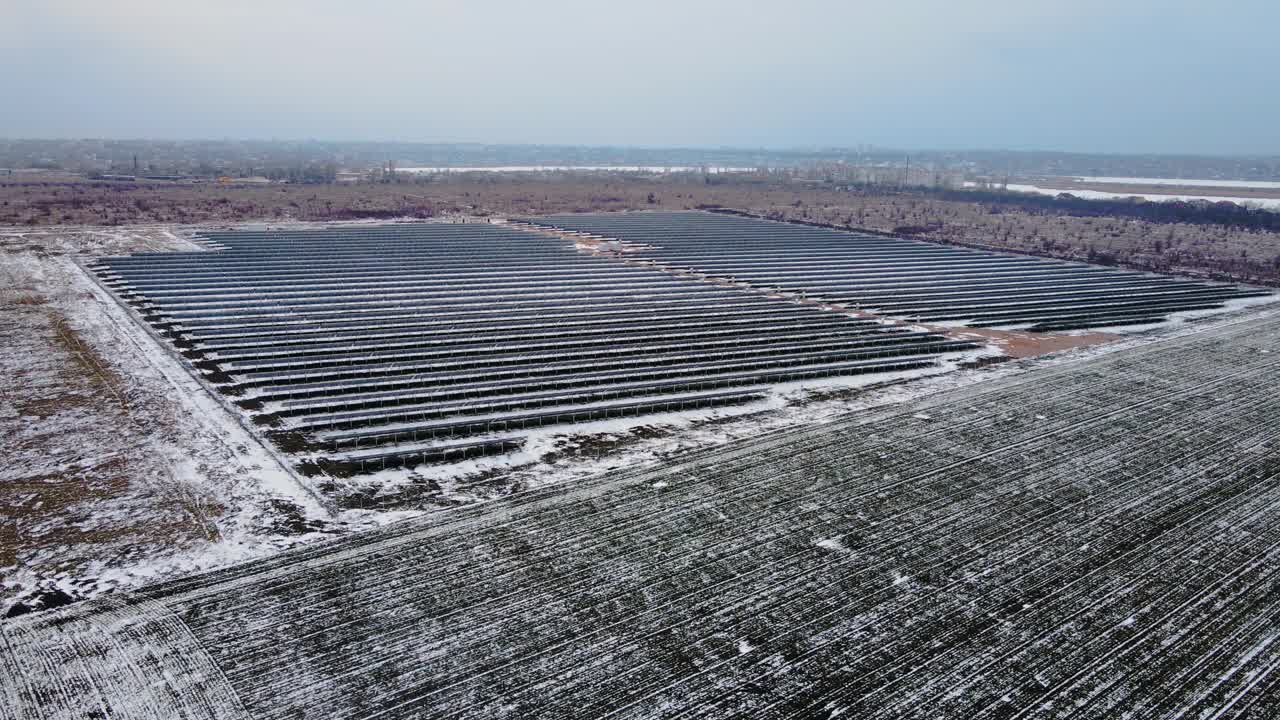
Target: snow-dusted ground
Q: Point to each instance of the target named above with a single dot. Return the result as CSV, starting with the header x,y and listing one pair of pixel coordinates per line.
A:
x,y
119,468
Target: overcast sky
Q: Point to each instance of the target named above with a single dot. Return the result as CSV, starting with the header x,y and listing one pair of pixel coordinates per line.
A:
x,y
1086,75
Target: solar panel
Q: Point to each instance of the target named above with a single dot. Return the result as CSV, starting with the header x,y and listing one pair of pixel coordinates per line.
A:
x,y
383,346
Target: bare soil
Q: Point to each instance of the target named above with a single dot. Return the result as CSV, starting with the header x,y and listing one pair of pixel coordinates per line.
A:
x,y
1018,344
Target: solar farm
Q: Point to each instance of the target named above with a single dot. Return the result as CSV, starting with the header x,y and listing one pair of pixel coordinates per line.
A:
x,y
910,280
362,348
847,495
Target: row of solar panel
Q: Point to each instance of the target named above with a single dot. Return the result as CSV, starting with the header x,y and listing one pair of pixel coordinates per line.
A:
x,y
906,279
350,341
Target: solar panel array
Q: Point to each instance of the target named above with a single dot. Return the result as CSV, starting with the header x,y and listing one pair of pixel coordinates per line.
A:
x,y
364,347
914,280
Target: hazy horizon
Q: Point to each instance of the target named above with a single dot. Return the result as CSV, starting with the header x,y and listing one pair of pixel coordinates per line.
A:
x,y
877,149
1089,77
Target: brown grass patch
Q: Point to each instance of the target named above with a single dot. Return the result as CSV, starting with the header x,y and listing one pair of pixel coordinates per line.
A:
x,y
58,491
82,488
96,368
48,407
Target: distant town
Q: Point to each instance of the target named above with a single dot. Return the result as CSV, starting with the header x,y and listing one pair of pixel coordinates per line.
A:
x,y
315,161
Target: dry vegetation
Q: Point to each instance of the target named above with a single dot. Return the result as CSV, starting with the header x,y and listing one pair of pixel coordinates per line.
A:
x,y
1204,250
1218,250
78,488
108,478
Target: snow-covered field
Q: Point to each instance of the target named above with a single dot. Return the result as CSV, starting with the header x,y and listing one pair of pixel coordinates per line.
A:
x,y
1268,203
1090,536
119,469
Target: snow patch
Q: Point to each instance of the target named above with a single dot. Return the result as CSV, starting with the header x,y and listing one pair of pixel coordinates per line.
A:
x,y
1181,182
1265,203
834,544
